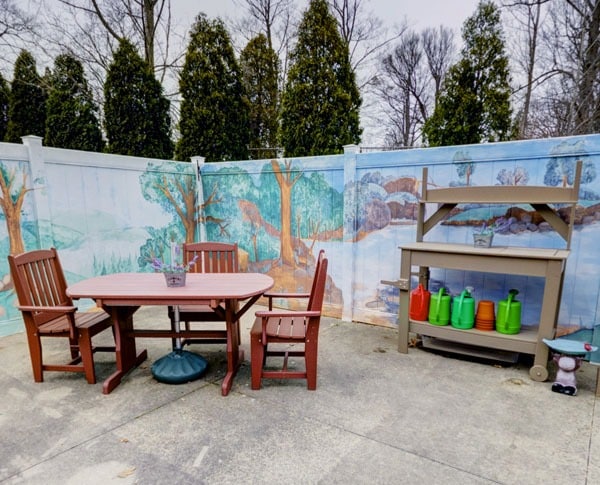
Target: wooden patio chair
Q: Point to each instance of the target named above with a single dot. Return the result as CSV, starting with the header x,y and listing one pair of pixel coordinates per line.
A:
x,y
47,311
212,257
273,327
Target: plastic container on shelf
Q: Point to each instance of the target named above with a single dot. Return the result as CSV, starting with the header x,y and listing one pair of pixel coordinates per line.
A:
x,y
463,310
419,303
508,320
485,315
439,308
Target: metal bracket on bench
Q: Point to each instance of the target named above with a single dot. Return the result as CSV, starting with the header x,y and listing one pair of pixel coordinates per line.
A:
x,y
402,284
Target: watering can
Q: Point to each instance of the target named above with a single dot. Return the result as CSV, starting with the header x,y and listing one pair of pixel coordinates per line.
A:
x,y
419,303
463,310
508,319
439,308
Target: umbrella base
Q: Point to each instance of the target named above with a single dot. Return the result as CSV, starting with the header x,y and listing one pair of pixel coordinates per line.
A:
x,y
179,367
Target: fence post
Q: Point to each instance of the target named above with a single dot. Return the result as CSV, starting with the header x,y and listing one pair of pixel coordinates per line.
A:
x,y
39,193
348,246
199,162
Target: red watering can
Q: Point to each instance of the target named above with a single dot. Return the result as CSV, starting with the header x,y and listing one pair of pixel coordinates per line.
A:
x,y
419,303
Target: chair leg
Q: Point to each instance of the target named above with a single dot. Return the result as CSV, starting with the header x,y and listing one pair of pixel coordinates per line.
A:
x,y
310,358
74,347
257,354
35,353
87,355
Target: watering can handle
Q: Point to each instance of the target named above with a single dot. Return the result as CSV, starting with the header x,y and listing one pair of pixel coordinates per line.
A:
x,y
460,302
437,307
421,287
511,295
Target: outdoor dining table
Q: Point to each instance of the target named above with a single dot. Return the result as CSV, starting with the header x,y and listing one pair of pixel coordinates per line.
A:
x,y
122,294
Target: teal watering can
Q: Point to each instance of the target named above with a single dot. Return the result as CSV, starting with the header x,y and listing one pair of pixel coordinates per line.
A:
x,y
463,310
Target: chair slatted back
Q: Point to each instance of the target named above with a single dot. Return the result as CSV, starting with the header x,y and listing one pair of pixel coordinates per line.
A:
x,y
39,281
213,257
313,303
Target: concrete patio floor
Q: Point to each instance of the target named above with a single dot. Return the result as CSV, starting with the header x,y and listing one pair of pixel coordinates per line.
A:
x,y
377,417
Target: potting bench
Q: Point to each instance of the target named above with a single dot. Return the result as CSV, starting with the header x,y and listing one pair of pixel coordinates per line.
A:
x,y
546,263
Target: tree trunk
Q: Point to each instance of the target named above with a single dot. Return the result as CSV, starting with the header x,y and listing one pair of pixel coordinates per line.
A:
x,y
285,182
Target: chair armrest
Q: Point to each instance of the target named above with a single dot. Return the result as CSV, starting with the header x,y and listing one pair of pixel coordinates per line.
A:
x,y
287,295
271,296
56,309
283,313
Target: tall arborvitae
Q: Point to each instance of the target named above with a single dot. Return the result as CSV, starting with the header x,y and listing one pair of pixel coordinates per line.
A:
x,y
474,104
4,98
71,120
136,112
321,102
27,101
259,66
214,109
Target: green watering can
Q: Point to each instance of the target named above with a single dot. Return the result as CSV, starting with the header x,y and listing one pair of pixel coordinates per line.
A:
x,y
463,310
439,308
508,319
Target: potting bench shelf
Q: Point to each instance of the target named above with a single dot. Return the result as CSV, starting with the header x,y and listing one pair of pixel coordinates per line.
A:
x,y
545,263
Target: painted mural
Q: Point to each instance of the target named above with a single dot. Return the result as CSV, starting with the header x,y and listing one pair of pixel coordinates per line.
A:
x,y
107,213
98,224
280,213
372,208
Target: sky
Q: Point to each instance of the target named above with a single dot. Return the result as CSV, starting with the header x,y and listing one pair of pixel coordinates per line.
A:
x,y
419,14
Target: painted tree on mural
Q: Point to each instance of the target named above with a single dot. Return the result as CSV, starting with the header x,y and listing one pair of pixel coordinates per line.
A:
x,y
516,176
11,202
286,180
175,192
275,222
302,206
464,165
251,231
561,170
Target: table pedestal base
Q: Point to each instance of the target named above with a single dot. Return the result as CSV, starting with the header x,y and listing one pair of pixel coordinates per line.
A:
x,y
179,367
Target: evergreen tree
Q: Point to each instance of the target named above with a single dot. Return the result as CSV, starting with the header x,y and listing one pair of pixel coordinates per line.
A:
x,y
136,113
71,120
321,102
4,97
259,65
214,109
27,101
474,104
